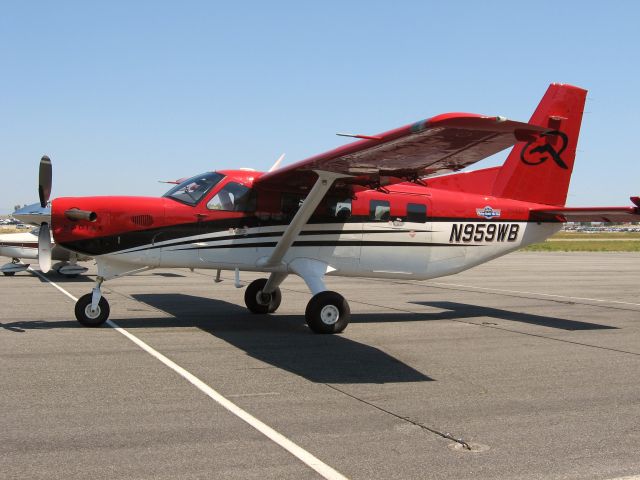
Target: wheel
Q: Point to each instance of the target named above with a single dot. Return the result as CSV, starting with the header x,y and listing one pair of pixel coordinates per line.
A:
x,y
9,274
56,267
327,312
258,302
86,317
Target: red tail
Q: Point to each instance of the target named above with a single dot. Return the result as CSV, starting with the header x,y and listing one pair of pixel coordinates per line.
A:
x,y
539,171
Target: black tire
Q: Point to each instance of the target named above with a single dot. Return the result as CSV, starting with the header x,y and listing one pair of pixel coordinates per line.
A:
x,y
327,312
83,311
258,302
9,274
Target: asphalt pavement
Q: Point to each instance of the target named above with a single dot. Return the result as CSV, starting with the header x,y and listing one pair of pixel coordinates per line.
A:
x,y
526,367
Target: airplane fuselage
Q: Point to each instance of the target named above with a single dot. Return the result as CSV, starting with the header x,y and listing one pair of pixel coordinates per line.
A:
x,y
403,231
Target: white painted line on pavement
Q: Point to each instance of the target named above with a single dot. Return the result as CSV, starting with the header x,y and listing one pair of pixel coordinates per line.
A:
x,y
322,468
534,293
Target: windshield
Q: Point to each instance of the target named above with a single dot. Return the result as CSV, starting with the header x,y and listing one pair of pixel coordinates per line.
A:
x,y
192,190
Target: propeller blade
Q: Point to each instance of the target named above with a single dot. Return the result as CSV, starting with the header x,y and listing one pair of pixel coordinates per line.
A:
x,y
277,164
44,248
44,181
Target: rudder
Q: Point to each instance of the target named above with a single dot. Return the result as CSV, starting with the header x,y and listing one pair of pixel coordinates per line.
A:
x,y
540,170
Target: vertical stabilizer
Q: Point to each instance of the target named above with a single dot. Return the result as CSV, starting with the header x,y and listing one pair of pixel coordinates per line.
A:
x,y
540,170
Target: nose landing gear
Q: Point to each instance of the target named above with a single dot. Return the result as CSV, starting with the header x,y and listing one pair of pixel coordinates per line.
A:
x,y
92,309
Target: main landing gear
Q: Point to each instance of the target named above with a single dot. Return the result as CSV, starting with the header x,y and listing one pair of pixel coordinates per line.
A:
x,y
92,309
259,302
13,267
327,311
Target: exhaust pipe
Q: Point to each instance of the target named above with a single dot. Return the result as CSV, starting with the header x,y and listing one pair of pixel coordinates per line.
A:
x,y
77,214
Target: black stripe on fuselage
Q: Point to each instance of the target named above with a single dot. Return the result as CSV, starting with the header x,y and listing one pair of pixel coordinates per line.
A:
x,y
267,235
329,243
147,239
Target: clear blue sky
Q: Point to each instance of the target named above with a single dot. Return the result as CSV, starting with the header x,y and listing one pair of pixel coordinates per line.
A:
x,y
122,94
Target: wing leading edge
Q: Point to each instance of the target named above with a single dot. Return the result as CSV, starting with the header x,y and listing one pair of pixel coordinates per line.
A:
x,y
442,144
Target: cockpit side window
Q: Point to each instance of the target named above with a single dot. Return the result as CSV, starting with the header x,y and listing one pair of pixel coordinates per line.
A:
x,y
191,191
233,197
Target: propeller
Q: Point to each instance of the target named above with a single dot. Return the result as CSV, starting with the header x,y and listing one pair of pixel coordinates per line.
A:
x,y
44,180
44,248
277,164
44,191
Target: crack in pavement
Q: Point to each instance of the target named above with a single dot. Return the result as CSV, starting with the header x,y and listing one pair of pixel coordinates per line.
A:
x,y
446,435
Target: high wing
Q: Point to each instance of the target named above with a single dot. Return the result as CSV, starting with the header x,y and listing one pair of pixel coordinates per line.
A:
x,y
590,214
442,144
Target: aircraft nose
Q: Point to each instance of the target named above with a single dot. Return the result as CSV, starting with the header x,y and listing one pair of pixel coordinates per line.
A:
x,y
75,219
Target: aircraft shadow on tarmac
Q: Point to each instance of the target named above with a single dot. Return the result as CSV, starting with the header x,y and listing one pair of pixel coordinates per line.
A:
x,y
457,311
283,341
58,278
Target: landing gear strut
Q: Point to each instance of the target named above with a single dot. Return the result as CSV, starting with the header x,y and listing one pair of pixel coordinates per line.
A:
x,y
92,309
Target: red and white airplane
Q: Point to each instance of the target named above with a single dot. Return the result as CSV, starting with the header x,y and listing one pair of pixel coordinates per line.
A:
x,y
378,207
24,245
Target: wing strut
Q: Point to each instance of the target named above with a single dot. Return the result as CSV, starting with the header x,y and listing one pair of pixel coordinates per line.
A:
x,y
320,188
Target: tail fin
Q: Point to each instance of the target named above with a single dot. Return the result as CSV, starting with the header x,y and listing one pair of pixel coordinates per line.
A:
x,y
539,171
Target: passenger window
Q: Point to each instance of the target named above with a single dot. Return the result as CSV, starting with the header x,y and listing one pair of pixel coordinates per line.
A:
x,y
416,212
339,208
379,210
233,197
291,202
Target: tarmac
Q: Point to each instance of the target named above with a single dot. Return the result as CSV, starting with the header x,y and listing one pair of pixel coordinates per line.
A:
x,y
526,367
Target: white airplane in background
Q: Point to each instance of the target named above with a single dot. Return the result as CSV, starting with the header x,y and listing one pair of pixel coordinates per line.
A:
x,y
24,245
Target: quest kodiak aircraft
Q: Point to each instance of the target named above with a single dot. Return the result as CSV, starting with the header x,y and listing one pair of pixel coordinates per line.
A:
x,y
378,207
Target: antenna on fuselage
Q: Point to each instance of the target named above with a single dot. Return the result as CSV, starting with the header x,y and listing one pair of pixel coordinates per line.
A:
x,y
278,161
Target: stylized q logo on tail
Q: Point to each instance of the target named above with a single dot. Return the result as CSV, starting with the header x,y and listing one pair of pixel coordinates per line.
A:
x,y
539,150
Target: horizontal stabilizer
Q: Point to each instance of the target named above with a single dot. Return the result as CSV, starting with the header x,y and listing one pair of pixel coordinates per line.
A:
x,y
590,214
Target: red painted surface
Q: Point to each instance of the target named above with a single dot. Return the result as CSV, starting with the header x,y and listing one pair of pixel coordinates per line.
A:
x,y
442,144
531,190
544,181
479,181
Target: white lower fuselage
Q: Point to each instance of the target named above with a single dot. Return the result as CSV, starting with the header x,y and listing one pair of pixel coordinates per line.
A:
x,y
378,249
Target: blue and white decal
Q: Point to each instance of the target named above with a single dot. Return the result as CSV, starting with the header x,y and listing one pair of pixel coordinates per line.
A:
x,y
488,212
